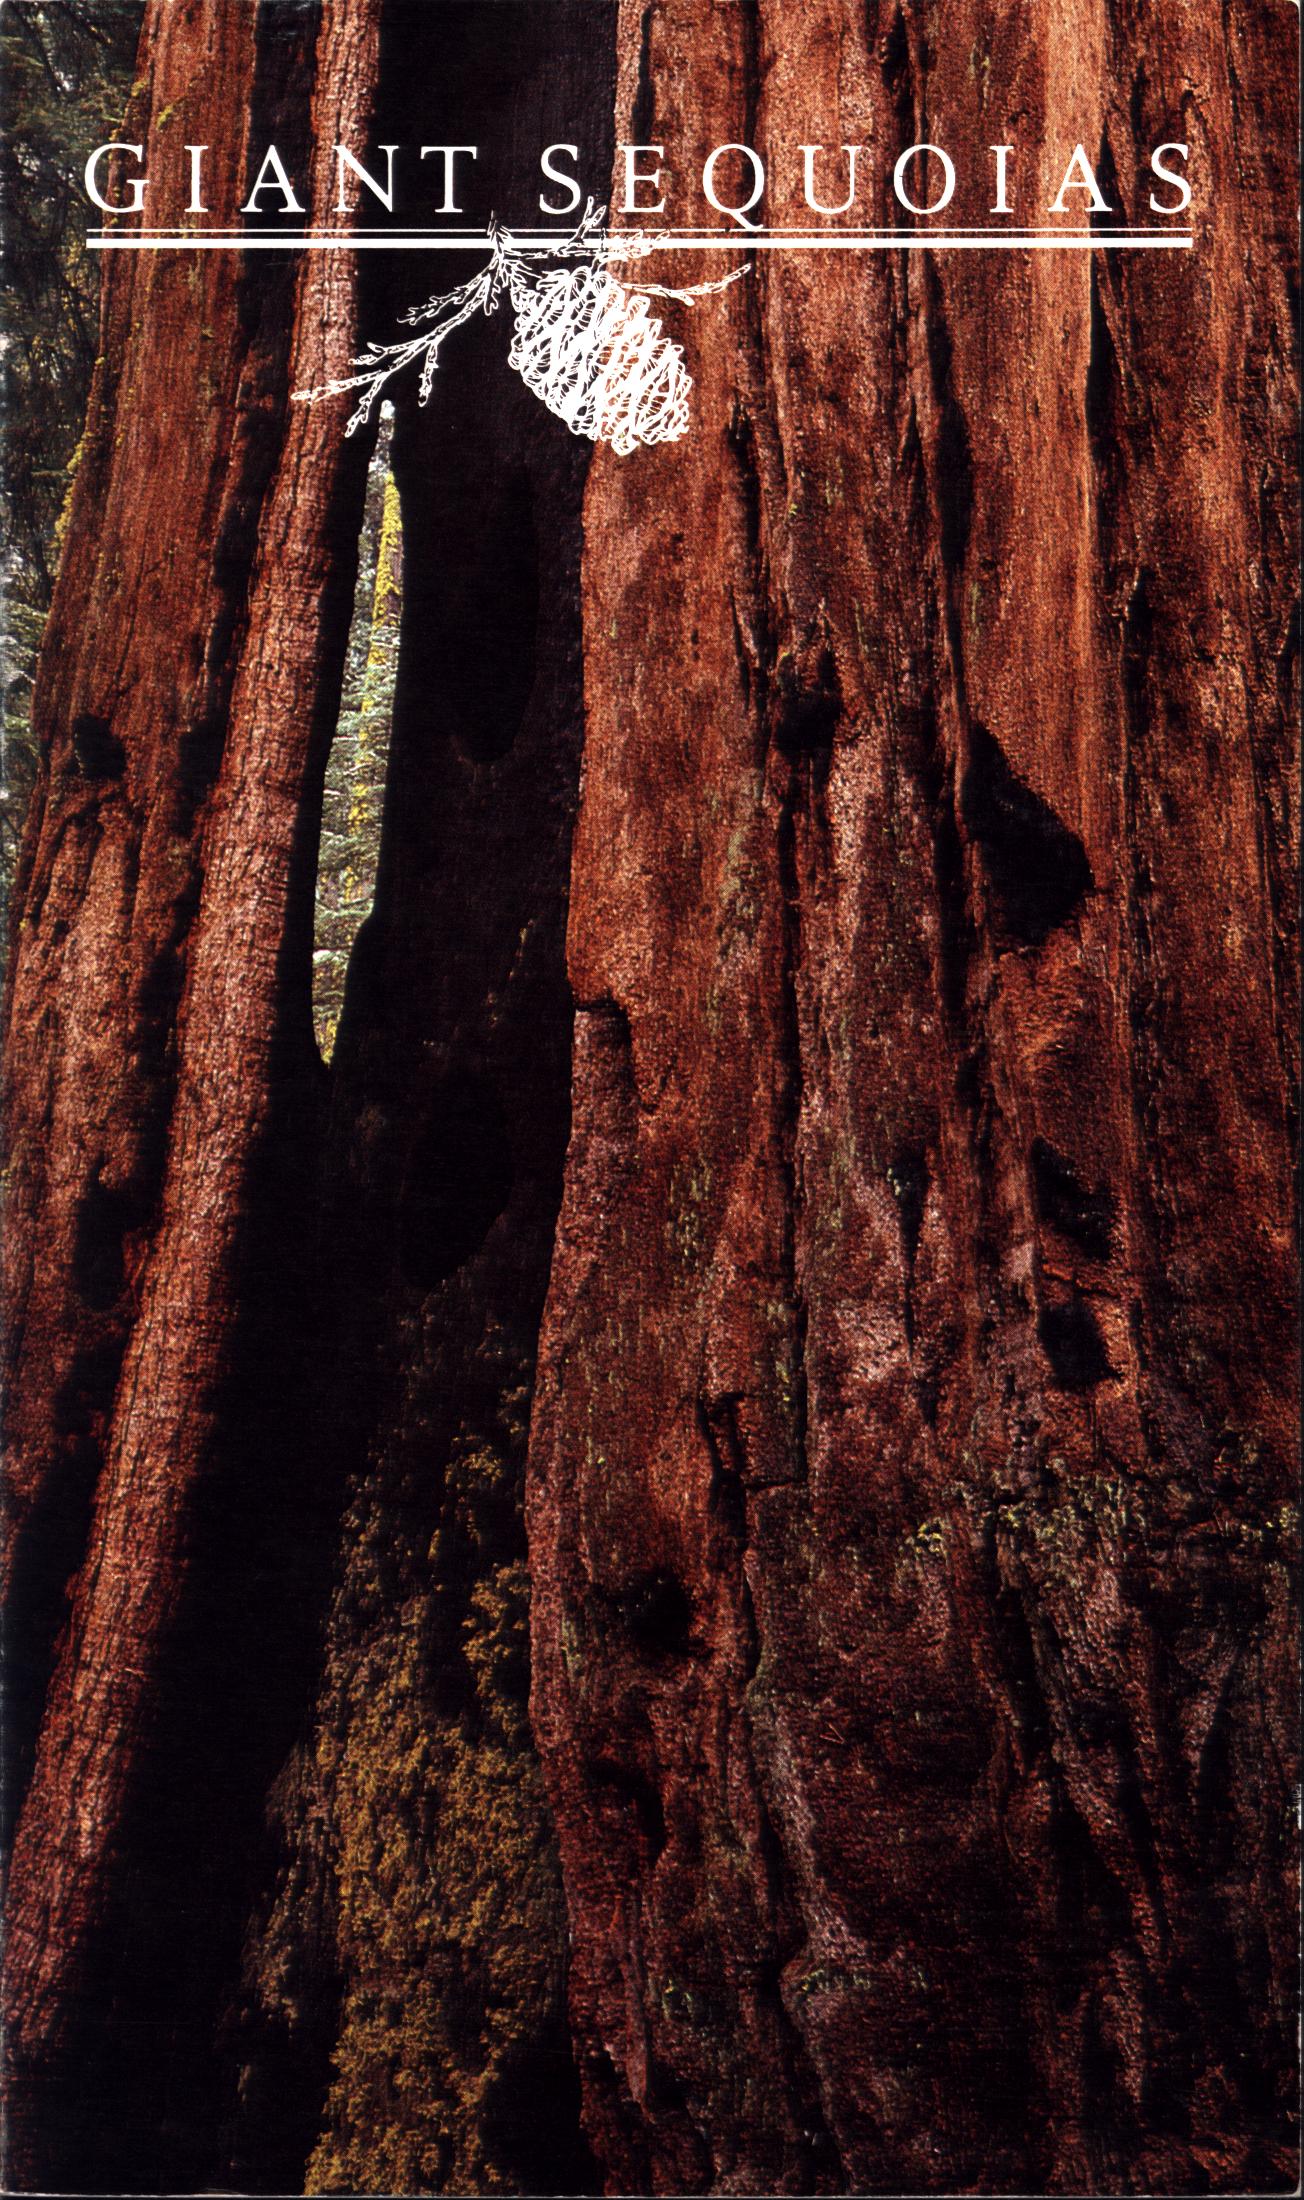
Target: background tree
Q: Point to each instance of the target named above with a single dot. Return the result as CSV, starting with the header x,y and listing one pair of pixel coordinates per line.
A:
x,y
65,70
355,772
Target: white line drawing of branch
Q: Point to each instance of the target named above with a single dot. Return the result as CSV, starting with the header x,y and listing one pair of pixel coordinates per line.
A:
x,y
583,339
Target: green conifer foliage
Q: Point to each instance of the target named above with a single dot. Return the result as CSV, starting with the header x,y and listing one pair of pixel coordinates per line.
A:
x,y
65,74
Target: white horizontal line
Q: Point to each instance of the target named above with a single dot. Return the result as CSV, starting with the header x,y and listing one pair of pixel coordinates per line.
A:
x,y
677,240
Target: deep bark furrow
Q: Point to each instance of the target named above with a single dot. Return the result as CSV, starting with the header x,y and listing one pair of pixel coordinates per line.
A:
x,y
415,1870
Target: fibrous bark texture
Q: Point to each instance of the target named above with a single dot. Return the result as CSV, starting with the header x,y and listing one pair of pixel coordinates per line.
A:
x,y
911,1476
162,1088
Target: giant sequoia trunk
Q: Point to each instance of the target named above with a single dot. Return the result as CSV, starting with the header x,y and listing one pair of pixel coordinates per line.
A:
x,y
912,1459
162,1099
245,1299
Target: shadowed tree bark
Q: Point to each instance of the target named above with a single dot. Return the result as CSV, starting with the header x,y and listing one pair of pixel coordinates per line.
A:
x,y
410,1951
911,1499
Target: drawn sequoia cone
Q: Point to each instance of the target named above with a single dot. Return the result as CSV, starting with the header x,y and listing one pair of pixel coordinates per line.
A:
x,y
590,349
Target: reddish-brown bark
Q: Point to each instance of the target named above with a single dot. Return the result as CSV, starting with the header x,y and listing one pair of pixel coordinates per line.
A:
x,y
912,1473
159,1030
910,1502
322,1285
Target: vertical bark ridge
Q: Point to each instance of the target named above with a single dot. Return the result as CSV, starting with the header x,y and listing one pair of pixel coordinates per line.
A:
x,y
115,1892
109,874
